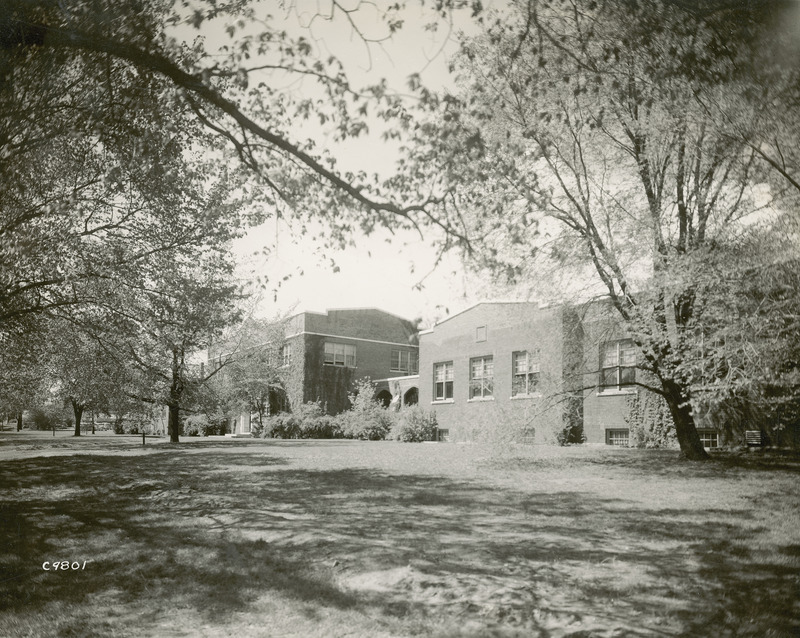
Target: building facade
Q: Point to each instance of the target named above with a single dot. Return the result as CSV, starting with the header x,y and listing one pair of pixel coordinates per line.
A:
x,y
328,352
322,355
504,369
525,372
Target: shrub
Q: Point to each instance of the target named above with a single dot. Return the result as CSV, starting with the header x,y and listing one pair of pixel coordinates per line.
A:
x,y
203,425
367,419
650,422
281,426
50,416
320,427
308,422
413,425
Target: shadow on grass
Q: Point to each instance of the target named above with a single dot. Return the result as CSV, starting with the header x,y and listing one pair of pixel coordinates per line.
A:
x,y
214,531
665,463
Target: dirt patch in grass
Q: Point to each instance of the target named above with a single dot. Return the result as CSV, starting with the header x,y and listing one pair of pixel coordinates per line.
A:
x,y
341,538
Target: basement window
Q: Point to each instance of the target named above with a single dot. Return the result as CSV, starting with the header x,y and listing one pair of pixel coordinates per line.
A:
x,y
617,437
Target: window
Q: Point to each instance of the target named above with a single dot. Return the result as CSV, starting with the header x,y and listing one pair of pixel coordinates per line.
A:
x,y
443,381
617,437
480,333
617,365
442,435
709,438
525,367
285,354
340,354
481,378
404,361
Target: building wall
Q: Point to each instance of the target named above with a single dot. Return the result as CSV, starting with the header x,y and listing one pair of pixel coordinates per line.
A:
x,y
373,333
603,409
509,327
358,323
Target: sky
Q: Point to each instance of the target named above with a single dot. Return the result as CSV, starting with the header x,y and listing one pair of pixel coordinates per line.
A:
x,y
397,274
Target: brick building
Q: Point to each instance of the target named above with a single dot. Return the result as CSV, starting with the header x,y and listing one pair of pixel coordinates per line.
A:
x,y
323,354
329,351
527,372
512,369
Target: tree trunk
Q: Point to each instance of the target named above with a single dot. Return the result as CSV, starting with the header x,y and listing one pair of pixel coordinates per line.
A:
x,y
19,420
173,424
77,410
175,394
678,401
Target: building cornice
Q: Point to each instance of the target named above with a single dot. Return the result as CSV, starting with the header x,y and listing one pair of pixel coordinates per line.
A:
x,y
340,336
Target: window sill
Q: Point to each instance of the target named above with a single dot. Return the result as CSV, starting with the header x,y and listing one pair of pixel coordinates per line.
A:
x,y
616,393
480,399
521,397
443,402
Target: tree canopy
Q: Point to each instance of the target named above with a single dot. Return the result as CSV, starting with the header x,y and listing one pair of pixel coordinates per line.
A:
x,y
620,141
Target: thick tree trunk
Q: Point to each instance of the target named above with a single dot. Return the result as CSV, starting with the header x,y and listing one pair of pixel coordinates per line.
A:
x,y
77,410
19,421
173,424
678,401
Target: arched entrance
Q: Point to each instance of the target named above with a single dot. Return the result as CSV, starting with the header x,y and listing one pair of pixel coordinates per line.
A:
x,y
385,397
411,396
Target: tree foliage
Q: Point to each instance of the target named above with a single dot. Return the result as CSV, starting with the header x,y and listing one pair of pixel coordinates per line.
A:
x,y
615,140
250,367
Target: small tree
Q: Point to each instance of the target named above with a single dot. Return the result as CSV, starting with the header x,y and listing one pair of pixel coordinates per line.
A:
x,y
367,418
249,367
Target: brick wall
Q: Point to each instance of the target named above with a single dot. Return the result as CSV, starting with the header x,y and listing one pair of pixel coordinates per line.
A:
x,y
509,327
603,409
370,331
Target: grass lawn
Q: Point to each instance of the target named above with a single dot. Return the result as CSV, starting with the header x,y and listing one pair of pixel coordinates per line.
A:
x,y
343,538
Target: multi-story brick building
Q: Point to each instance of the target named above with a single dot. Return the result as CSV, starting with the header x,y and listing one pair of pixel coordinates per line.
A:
x,y
323,354
329,351
514,370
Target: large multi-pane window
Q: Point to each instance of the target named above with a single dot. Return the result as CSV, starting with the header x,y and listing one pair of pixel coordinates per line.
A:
x,y
340,354
285,354
525,366
443,381
617,364
481,377
404,361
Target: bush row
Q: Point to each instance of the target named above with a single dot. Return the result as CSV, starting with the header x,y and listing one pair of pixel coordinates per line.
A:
x,y
374,423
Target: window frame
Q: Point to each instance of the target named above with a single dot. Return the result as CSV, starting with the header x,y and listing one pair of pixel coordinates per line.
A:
x,y
412,361
484,382
709,438
613,436
447,382
531,375
346,350
285,354
622,347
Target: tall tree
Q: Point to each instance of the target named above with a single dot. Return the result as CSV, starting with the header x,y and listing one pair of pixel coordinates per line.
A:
x,y
169,327
23,377
95,170
237,91
582,136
